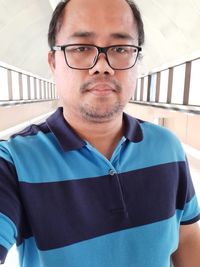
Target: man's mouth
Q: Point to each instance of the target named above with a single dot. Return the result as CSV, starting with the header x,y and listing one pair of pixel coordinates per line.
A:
x,y
101,89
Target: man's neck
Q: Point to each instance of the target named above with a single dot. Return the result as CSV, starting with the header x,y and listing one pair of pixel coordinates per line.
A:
x,y
103,136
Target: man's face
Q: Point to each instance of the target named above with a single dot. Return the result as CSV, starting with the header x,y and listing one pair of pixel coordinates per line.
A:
x,y
98,94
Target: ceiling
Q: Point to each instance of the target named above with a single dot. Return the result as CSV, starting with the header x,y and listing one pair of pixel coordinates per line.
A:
x,y
172,33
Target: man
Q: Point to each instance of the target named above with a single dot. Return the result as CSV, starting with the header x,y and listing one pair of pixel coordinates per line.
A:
x,y
92,186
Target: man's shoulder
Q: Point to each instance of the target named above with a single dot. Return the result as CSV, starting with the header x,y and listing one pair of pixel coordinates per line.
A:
x,y
156,131
26,136
161,139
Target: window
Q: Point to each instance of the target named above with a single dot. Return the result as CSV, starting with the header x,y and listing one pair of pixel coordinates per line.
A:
x,y
163,86
3,85
15,85
38,88
32,88
138,92
42,90
25,86
153,88
145,90
178,84
194,95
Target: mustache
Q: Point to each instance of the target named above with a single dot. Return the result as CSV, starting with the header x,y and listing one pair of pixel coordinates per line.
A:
x,y
89,84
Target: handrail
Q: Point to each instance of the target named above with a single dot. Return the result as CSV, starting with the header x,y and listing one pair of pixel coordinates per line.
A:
x,y
172,85
19,85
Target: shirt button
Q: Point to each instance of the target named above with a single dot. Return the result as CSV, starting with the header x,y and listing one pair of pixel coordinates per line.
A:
x,y
111,172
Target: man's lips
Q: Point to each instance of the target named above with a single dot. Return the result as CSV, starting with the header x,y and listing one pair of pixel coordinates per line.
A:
x,y
101,89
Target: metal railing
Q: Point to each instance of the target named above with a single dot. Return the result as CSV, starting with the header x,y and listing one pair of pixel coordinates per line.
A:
x,y
175,87
19,86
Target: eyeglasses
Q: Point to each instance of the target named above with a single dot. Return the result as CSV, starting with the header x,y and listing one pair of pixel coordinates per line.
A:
x,y
85,56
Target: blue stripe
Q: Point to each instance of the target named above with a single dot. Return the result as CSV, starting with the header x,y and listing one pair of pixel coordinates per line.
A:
x,y
149,245
39,158
190,210
8,232
29,255
159,146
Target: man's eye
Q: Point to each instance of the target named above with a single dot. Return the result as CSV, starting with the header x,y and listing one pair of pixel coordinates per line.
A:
x,y
120,50
82,49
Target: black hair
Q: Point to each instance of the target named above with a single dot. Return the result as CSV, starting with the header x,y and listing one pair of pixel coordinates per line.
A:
x,y
58,16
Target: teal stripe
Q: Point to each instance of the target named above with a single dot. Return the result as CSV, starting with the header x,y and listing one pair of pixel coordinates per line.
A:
x,y
150,245
39,158
8,232
159,146
29,255
191,210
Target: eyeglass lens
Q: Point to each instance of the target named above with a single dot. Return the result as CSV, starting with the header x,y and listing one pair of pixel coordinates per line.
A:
x,y
84,57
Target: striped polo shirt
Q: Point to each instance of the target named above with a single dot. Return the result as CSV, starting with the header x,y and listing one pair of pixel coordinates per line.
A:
x,y
65,205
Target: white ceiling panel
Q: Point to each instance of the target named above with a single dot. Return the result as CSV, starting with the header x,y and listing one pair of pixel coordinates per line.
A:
x,y
171,27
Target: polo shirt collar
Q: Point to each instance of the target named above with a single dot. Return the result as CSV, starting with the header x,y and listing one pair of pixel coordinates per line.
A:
x,y
69,140
133,130
63,132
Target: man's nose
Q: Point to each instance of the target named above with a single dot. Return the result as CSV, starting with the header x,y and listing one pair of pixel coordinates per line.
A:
x,y
101,66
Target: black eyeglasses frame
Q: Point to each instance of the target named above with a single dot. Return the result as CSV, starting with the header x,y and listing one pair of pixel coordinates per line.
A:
x,y
100,50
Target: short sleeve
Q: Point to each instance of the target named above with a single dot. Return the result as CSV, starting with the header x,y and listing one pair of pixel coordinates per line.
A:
x,y
187,197
10,206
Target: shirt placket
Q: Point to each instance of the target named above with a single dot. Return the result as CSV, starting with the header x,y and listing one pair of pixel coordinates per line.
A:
x,y
117,200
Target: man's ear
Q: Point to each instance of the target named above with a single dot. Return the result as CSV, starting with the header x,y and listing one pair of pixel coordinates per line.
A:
x,y
51,61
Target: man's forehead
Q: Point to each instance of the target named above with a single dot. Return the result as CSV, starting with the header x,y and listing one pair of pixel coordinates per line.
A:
x,y
88,10
86,20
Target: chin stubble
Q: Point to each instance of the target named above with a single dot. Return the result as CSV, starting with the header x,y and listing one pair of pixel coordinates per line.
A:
x,y
93,114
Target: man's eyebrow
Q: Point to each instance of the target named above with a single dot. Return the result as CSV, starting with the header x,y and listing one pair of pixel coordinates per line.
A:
x,y
82,34
122,36
116,35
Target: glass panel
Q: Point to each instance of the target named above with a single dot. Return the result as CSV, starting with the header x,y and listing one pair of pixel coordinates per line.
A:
x,y
15,85
144,98
47,90
138,89
194,96
178,84
50,90
42,90
3,85
153,87
37,89
163,86
32,88
25,86
55,92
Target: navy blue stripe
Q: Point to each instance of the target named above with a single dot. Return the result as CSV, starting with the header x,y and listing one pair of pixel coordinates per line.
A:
x,y
10,200
185,188
71,211
3,253
197,218
32,130
9,194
